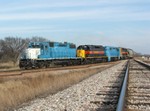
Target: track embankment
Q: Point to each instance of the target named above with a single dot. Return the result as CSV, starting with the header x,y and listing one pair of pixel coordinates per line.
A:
x,y
31,84
99,92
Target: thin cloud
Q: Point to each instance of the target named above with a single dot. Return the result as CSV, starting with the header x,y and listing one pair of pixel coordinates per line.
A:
x,y
47,15
26,5
34,29
105,14
108,11
45,5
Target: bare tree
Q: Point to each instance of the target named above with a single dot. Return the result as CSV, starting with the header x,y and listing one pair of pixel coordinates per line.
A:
x,y
12,47
1,52
38,39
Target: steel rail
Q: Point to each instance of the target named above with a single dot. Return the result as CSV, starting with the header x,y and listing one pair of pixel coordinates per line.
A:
x,y
121,101
143,63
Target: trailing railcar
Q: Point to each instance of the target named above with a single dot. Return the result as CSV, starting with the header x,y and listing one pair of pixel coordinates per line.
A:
x,y
130,53
44,54
112,53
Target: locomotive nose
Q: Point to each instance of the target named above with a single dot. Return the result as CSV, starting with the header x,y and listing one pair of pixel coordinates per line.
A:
x,y
81,53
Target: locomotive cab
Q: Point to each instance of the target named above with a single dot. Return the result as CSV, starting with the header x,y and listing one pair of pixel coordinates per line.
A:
x,y
123,53
81,51
90,51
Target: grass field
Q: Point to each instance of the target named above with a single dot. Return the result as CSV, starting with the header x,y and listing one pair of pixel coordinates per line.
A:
x,y
8,66
16,92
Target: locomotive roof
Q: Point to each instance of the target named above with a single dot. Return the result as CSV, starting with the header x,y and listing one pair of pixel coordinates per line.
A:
x,y
91,45
50,42
111,46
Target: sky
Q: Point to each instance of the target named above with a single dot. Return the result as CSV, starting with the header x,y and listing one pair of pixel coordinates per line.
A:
x,y
121,23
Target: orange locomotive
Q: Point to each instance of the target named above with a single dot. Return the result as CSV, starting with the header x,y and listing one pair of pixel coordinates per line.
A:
x,y
91,53
124,53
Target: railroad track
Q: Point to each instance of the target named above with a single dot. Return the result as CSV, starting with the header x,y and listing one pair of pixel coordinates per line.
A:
x,y
107,98
11,73
138,93
128,90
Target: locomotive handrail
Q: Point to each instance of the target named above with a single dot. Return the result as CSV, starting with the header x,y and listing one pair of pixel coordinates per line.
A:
x,y
121,101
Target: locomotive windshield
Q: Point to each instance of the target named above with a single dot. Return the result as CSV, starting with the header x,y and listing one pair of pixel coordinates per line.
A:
x,y
83,47
34,45
98,48
123,49
72,46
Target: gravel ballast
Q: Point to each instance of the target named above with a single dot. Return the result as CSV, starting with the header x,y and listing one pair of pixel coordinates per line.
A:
x,y
76,97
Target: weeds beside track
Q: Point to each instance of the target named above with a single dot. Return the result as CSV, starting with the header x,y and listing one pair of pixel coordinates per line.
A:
x,y
18,91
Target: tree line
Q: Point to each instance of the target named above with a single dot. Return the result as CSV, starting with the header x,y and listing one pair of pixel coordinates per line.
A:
x,y
12,47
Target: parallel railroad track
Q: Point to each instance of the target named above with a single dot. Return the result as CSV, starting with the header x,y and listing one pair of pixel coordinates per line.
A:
x,y
11,73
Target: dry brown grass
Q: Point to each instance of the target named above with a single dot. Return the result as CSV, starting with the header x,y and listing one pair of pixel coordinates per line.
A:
x,y
7,65
15,92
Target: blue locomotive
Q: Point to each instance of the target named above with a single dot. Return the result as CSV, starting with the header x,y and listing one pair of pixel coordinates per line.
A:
x,y
112,53
45,54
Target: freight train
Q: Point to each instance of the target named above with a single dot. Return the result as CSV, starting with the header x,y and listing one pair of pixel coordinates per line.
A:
x,y
45,54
